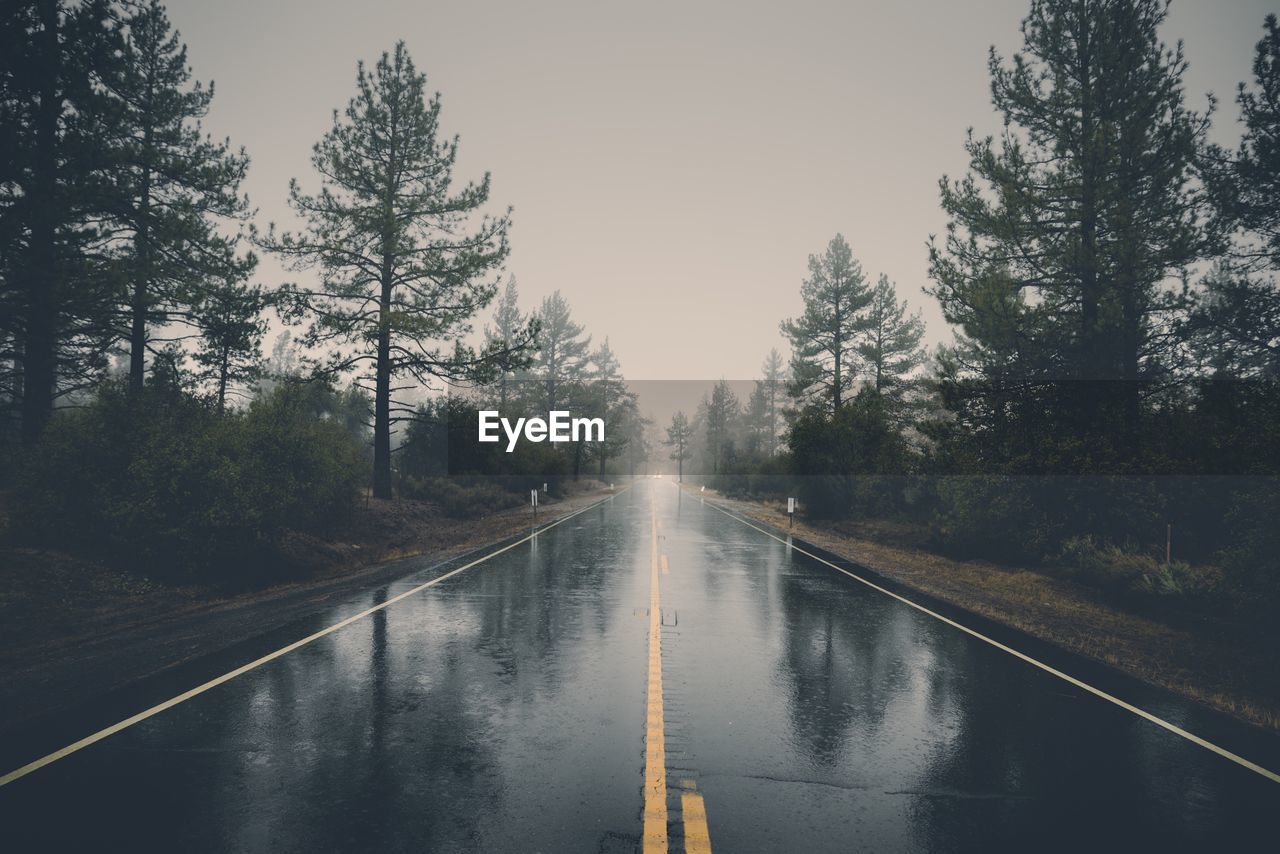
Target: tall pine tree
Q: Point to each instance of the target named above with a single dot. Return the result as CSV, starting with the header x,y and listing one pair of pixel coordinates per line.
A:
x,y
510,338
229,315
824,339
1237,320
56,283
773,391
1085,209
403,267
890,346
1247,185
722,409
611,400
175,185
563,350
679,434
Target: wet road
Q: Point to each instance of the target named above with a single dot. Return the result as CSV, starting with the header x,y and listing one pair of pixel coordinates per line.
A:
x,y
516,706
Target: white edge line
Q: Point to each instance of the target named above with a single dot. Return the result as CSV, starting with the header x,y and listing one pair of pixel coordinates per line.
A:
x,y
226,677
1142,713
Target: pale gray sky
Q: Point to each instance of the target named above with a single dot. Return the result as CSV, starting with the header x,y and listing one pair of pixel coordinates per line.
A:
x,y
671,164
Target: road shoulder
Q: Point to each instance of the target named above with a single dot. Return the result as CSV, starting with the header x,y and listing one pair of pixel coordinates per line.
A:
x,y
68,651
1196,660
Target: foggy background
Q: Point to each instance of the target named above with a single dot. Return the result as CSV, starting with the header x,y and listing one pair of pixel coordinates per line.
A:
x,y
671,165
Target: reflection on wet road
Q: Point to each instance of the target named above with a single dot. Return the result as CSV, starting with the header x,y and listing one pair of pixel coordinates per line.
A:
x,y
505,709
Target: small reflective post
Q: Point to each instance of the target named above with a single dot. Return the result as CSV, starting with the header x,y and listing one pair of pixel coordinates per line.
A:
x,y
533,498
791,513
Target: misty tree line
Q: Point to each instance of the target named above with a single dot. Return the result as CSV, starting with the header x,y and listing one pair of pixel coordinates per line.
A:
x,y
1111,276
118,214
126,239
561,371
124,234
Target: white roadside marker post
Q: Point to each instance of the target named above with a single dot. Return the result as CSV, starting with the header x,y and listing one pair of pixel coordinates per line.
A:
x,y
791,513
533,497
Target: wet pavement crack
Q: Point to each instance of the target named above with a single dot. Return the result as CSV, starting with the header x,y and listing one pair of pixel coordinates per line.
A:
x,y
800,781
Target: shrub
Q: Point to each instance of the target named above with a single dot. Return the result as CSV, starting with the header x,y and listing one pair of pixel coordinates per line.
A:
x,y
995,517
1118,570
1251,558
165,484
836,458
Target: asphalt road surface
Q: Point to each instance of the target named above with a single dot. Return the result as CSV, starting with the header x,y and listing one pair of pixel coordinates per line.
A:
x,y
650,674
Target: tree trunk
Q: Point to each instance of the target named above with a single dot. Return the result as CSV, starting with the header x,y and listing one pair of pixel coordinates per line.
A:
x,y
142,275
223,370
39,344
1092,356
382,393
141,282
835,385
1131,393
138,325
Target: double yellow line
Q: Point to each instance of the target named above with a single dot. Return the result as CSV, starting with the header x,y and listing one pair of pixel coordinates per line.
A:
x,y
693,810
655,745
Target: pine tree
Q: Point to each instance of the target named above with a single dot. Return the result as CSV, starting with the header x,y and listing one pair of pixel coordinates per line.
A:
x,y
722,411
404,268
510,338
286,357
612,401
890,346
679,435
636,429
175,185
773,387
56,283
824,338
1085,209
1247,186
756,419
1236,324
230,318
562,349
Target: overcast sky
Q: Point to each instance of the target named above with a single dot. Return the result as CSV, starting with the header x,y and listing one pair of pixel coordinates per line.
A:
x,y
671,164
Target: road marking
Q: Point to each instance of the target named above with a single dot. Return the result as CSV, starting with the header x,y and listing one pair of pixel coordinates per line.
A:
x,y
1098,692
226,677
666,568
697,839
655,753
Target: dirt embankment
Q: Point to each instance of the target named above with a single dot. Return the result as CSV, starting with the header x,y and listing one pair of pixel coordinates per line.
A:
x,y
71,628
1207,660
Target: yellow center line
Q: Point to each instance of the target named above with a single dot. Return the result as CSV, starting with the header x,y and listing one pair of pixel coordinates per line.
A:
x,y
1097,692
697,839
655,752
226,677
